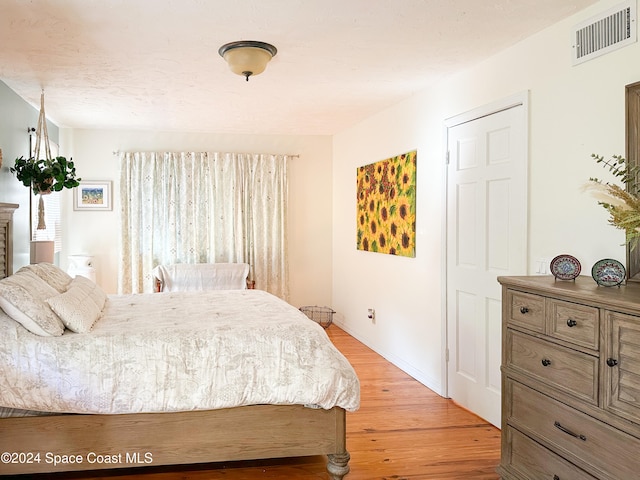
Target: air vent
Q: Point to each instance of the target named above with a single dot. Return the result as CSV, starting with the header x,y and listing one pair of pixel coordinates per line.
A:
x,y
613,29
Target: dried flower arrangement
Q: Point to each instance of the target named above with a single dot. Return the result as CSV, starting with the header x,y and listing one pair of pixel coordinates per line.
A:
x,y
621,201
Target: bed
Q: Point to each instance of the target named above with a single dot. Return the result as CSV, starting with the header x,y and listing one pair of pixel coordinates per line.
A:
x,y
92,422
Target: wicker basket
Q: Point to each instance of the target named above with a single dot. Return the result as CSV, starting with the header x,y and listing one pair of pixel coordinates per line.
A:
x,y
321,315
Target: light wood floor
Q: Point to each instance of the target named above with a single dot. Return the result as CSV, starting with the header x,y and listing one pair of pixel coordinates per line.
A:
x,y
403,431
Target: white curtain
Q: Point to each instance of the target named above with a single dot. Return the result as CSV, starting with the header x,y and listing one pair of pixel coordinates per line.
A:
x,y
193,207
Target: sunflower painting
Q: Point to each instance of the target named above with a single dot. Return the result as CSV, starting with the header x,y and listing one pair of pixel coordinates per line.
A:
x,y
386,201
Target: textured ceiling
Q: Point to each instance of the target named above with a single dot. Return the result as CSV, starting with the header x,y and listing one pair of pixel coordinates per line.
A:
x,y
153,64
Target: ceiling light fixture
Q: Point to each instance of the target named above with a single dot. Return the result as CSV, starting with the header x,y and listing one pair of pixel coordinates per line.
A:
x,y
247,57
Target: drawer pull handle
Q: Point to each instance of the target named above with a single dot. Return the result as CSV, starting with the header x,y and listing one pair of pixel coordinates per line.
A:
x,y
524,310
571,322
556,477
546,362
569,432
612,362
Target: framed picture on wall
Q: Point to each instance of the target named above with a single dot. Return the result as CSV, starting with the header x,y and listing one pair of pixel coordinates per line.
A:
x,y
93,195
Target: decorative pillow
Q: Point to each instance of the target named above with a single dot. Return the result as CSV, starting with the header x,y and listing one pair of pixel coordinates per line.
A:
x,y
92,289
23,297
53,275
76,308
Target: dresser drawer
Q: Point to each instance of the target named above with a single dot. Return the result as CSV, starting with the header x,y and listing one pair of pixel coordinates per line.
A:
x,y
526,310
566,369
578,324
536,462
598,447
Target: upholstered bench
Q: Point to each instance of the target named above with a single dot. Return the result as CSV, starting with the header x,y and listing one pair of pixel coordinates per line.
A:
x,y
202,276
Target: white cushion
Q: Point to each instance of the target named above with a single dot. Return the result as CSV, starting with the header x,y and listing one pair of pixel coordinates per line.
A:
x,y
50,273
23,297
76,308
92,288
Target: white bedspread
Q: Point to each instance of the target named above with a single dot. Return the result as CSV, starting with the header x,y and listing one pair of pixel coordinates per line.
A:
x,y
177,351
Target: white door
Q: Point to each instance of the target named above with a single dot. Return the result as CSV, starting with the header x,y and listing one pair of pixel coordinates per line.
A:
x,y
486,238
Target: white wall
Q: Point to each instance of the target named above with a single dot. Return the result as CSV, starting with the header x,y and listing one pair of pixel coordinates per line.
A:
x,y
97,233
573,112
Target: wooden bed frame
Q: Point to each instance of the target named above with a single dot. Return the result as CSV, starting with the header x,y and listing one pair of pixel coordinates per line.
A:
x,y
63,443
138,440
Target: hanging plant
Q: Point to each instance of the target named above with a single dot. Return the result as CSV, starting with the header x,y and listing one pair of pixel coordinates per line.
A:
x,y
45,175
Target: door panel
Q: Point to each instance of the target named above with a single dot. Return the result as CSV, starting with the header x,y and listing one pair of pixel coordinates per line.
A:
x,y
466,224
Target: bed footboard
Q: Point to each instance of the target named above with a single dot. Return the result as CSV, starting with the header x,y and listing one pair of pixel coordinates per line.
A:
x,y
93,442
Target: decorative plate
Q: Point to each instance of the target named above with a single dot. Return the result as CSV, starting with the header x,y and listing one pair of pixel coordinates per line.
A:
x,y
565,267
608,272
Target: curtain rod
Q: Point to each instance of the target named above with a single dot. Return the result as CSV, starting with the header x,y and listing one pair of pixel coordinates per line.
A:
x,y
295,155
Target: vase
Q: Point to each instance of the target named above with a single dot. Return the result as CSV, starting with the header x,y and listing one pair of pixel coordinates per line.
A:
x,y
82,265
44,187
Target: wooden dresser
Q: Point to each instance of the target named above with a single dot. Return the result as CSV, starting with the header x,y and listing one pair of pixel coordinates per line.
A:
x,y
570,379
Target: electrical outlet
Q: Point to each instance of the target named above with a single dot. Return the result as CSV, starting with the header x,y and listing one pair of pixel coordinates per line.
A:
x,y
371,315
